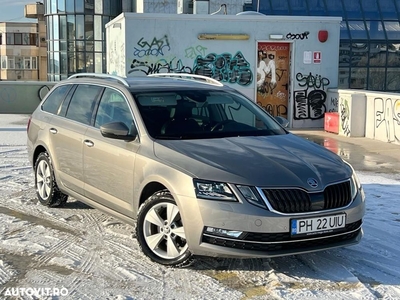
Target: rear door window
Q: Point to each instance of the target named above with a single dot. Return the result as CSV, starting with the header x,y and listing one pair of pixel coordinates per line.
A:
x,y
83,102
54,100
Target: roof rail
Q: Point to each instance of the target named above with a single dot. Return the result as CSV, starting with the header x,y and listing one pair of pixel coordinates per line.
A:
x,y
100,75
188,76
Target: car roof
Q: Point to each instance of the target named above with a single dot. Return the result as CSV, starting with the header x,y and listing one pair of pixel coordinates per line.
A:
x,y
155,82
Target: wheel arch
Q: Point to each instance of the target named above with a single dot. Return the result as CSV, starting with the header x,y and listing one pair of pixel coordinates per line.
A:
x,y
149,189
179,184
39,149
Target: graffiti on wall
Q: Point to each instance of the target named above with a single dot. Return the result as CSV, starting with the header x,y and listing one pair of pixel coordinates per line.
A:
x,y
345,117
275,109
309,103
297,36
162,65
116,57
387,118
281,95
194,51
155,47
334,102
269,84
311,81
224,67
150,57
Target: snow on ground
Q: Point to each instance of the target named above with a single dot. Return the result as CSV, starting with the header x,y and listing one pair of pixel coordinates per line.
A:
x,y
91,255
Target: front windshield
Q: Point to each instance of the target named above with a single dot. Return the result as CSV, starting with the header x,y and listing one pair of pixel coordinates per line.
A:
x,y
199,114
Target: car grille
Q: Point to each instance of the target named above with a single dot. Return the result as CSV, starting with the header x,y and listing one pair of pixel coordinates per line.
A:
x,y
271,242
337,195
299,201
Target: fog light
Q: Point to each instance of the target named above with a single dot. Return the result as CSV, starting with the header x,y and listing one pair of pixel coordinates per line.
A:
x,y
224,232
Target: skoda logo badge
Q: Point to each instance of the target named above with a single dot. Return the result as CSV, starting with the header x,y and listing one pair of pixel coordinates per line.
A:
x,y
312,182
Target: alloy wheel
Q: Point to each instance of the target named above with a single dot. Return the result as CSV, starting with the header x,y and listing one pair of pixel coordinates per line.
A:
x,y
163,231
43,179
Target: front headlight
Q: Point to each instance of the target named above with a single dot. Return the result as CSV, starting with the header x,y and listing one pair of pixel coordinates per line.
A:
x,y
355,184
251,195
213,190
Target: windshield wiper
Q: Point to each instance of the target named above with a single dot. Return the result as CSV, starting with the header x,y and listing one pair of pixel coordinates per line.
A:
x,y
168,137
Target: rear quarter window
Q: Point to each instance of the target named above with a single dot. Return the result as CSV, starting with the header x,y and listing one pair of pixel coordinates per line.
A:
x,y
55,98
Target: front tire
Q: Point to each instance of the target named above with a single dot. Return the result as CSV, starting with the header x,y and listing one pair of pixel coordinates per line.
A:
x,y
46,186
160,231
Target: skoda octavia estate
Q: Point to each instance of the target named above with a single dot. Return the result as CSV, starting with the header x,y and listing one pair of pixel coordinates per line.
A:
x,y
198,168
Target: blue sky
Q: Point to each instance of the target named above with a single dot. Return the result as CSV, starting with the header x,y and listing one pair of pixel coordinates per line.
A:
x,y
13,10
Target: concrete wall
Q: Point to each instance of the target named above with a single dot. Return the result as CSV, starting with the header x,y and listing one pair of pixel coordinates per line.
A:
x,y
366,113
17,97
383,117
140,44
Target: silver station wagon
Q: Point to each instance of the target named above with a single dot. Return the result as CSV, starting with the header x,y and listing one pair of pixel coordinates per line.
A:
x,y
198,168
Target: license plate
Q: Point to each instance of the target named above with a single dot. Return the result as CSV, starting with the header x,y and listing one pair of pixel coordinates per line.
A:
x,y
317,225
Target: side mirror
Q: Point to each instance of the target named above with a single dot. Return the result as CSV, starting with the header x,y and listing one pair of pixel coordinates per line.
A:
x,y
281,120
119,131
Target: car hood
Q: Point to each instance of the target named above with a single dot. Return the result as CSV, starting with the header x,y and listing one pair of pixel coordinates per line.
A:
x,y
278,160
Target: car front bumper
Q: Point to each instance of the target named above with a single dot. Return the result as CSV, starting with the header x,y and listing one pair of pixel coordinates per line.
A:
x,y
264,233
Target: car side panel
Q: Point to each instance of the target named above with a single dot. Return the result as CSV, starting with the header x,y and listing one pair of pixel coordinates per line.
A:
x,y
65,146
108,170
37,134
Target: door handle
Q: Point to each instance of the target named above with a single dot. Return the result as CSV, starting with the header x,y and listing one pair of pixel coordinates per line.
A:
x,y
88,143
53,130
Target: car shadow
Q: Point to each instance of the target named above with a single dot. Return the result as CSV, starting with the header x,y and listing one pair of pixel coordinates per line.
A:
x,y
75,204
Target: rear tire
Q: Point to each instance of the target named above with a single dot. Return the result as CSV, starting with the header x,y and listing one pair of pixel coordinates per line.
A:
x,y
45,184
160,231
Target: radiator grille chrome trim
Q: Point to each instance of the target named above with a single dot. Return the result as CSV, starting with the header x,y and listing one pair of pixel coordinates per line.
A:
x,y
339,189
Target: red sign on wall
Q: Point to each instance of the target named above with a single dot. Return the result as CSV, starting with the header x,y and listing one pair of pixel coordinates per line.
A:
x,y
317,57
